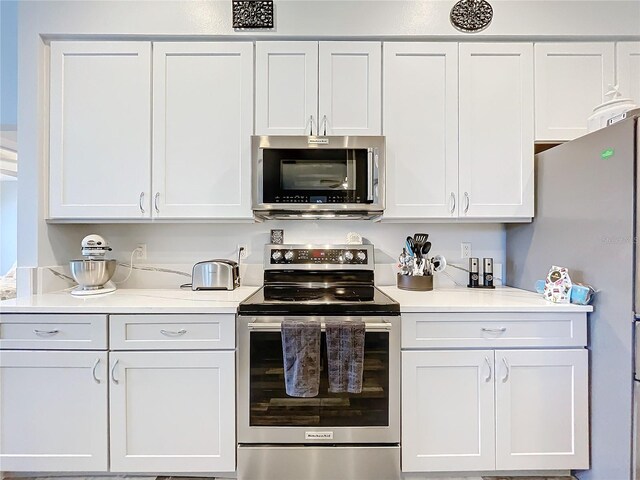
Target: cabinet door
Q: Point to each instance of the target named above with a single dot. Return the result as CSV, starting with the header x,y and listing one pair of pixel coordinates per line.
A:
x,y
421,129
496,130
286,88
100,130
349,85
571,80
203,121
628,70
53,411
172,412
447,411
542,415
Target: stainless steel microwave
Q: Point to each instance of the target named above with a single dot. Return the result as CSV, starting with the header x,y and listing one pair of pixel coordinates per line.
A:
x,y
318,177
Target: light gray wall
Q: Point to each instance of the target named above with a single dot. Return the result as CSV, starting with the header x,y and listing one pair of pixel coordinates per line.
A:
x,y
8,224
8,64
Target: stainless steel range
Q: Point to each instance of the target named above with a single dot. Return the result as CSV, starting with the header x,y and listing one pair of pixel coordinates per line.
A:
x,y
332,435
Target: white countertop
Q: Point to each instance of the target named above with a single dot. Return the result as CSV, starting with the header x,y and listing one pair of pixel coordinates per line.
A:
x,y
462,299
458,299
132,301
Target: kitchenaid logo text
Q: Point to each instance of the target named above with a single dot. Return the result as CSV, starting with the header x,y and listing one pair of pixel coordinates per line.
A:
x,y
318,435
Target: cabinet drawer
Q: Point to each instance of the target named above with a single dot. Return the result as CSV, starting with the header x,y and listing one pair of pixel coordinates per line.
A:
x,y
53,331
436,330
172,332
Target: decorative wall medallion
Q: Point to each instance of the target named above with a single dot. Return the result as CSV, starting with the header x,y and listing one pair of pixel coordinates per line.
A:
x,y
252,13
471,15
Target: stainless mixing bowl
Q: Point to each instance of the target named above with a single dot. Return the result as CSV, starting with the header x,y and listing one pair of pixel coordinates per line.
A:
x,y
92,274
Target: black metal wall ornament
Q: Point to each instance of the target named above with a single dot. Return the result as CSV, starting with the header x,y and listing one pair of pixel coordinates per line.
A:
x,y
471,16
252,13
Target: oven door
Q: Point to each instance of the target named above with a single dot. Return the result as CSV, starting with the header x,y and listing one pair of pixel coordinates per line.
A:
x,y
266,414
291,174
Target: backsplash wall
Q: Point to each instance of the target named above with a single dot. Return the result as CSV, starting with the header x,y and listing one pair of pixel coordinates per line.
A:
x,y
182,245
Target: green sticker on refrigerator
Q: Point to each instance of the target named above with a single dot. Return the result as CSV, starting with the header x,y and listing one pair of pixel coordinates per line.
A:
x,y
608,153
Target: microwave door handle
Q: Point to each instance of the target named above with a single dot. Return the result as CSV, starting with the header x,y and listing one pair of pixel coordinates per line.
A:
x,y
370,174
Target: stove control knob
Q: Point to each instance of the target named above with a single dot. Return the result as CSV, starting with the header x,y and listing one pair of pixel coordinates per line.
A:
x,y
288,256
361,256
348,256
276,255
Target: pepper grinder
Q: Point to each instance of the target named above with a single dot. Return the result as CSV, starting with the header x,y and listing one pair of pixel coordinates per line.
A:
x,y
474,272
487,272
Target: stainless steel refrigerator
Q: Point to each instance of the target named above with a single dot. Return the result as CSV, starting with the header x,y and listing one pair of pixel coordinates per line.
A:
x,y
587,197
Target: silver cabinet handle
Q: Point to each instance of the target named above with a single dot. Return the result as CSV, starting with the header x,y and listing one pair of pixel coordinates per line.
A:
x,y
169,333
324,125
467,199
45,333
311,125
141,201
494,330
453,203
508,372
488,377
113,369
155,202
93,371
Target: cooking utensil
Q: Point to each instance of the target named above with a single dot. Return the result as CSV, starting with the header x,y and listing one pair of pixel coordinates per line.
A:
x,y
421,238
411,246
426,248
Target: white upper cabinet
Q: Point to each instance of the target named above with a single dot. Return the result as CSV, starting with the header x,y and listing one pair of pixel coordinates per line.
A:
x,y
421,129
628,70
349,86
100,130
286,88
203,121
325,88
496,130
571,79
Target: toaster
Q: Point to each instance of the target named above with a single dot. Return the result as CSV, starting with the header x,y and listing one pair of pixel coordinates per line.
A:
x,y
215,275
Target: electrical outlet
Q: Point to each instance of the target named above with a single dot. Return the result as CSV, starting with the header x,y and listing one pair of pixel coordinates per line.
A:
x,y
141,254
244,253
465,250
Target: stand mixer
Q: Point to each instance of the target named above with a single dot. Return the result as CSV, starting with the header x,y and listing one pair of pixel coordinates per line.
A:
x,y
94,272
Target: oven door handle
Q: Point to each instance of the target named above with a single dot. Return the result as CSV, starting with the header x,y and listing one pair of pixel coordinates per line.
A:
x,y
275,326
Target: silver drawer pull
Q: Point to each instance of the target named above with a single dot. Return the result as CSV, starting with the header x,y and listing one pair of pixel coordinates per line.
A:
x,y
494,330
93,371
169,333
43,333
275,326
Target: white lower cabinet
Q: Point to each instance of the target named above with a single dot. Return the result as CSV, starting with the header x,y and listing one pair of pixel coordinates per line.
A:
x,y
494,392
172,412
542,413
53,411
447,411
495,410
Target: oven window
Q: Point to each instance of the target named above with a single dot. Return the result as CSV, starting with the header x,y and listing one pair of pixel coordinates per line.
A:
x,y
270,406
